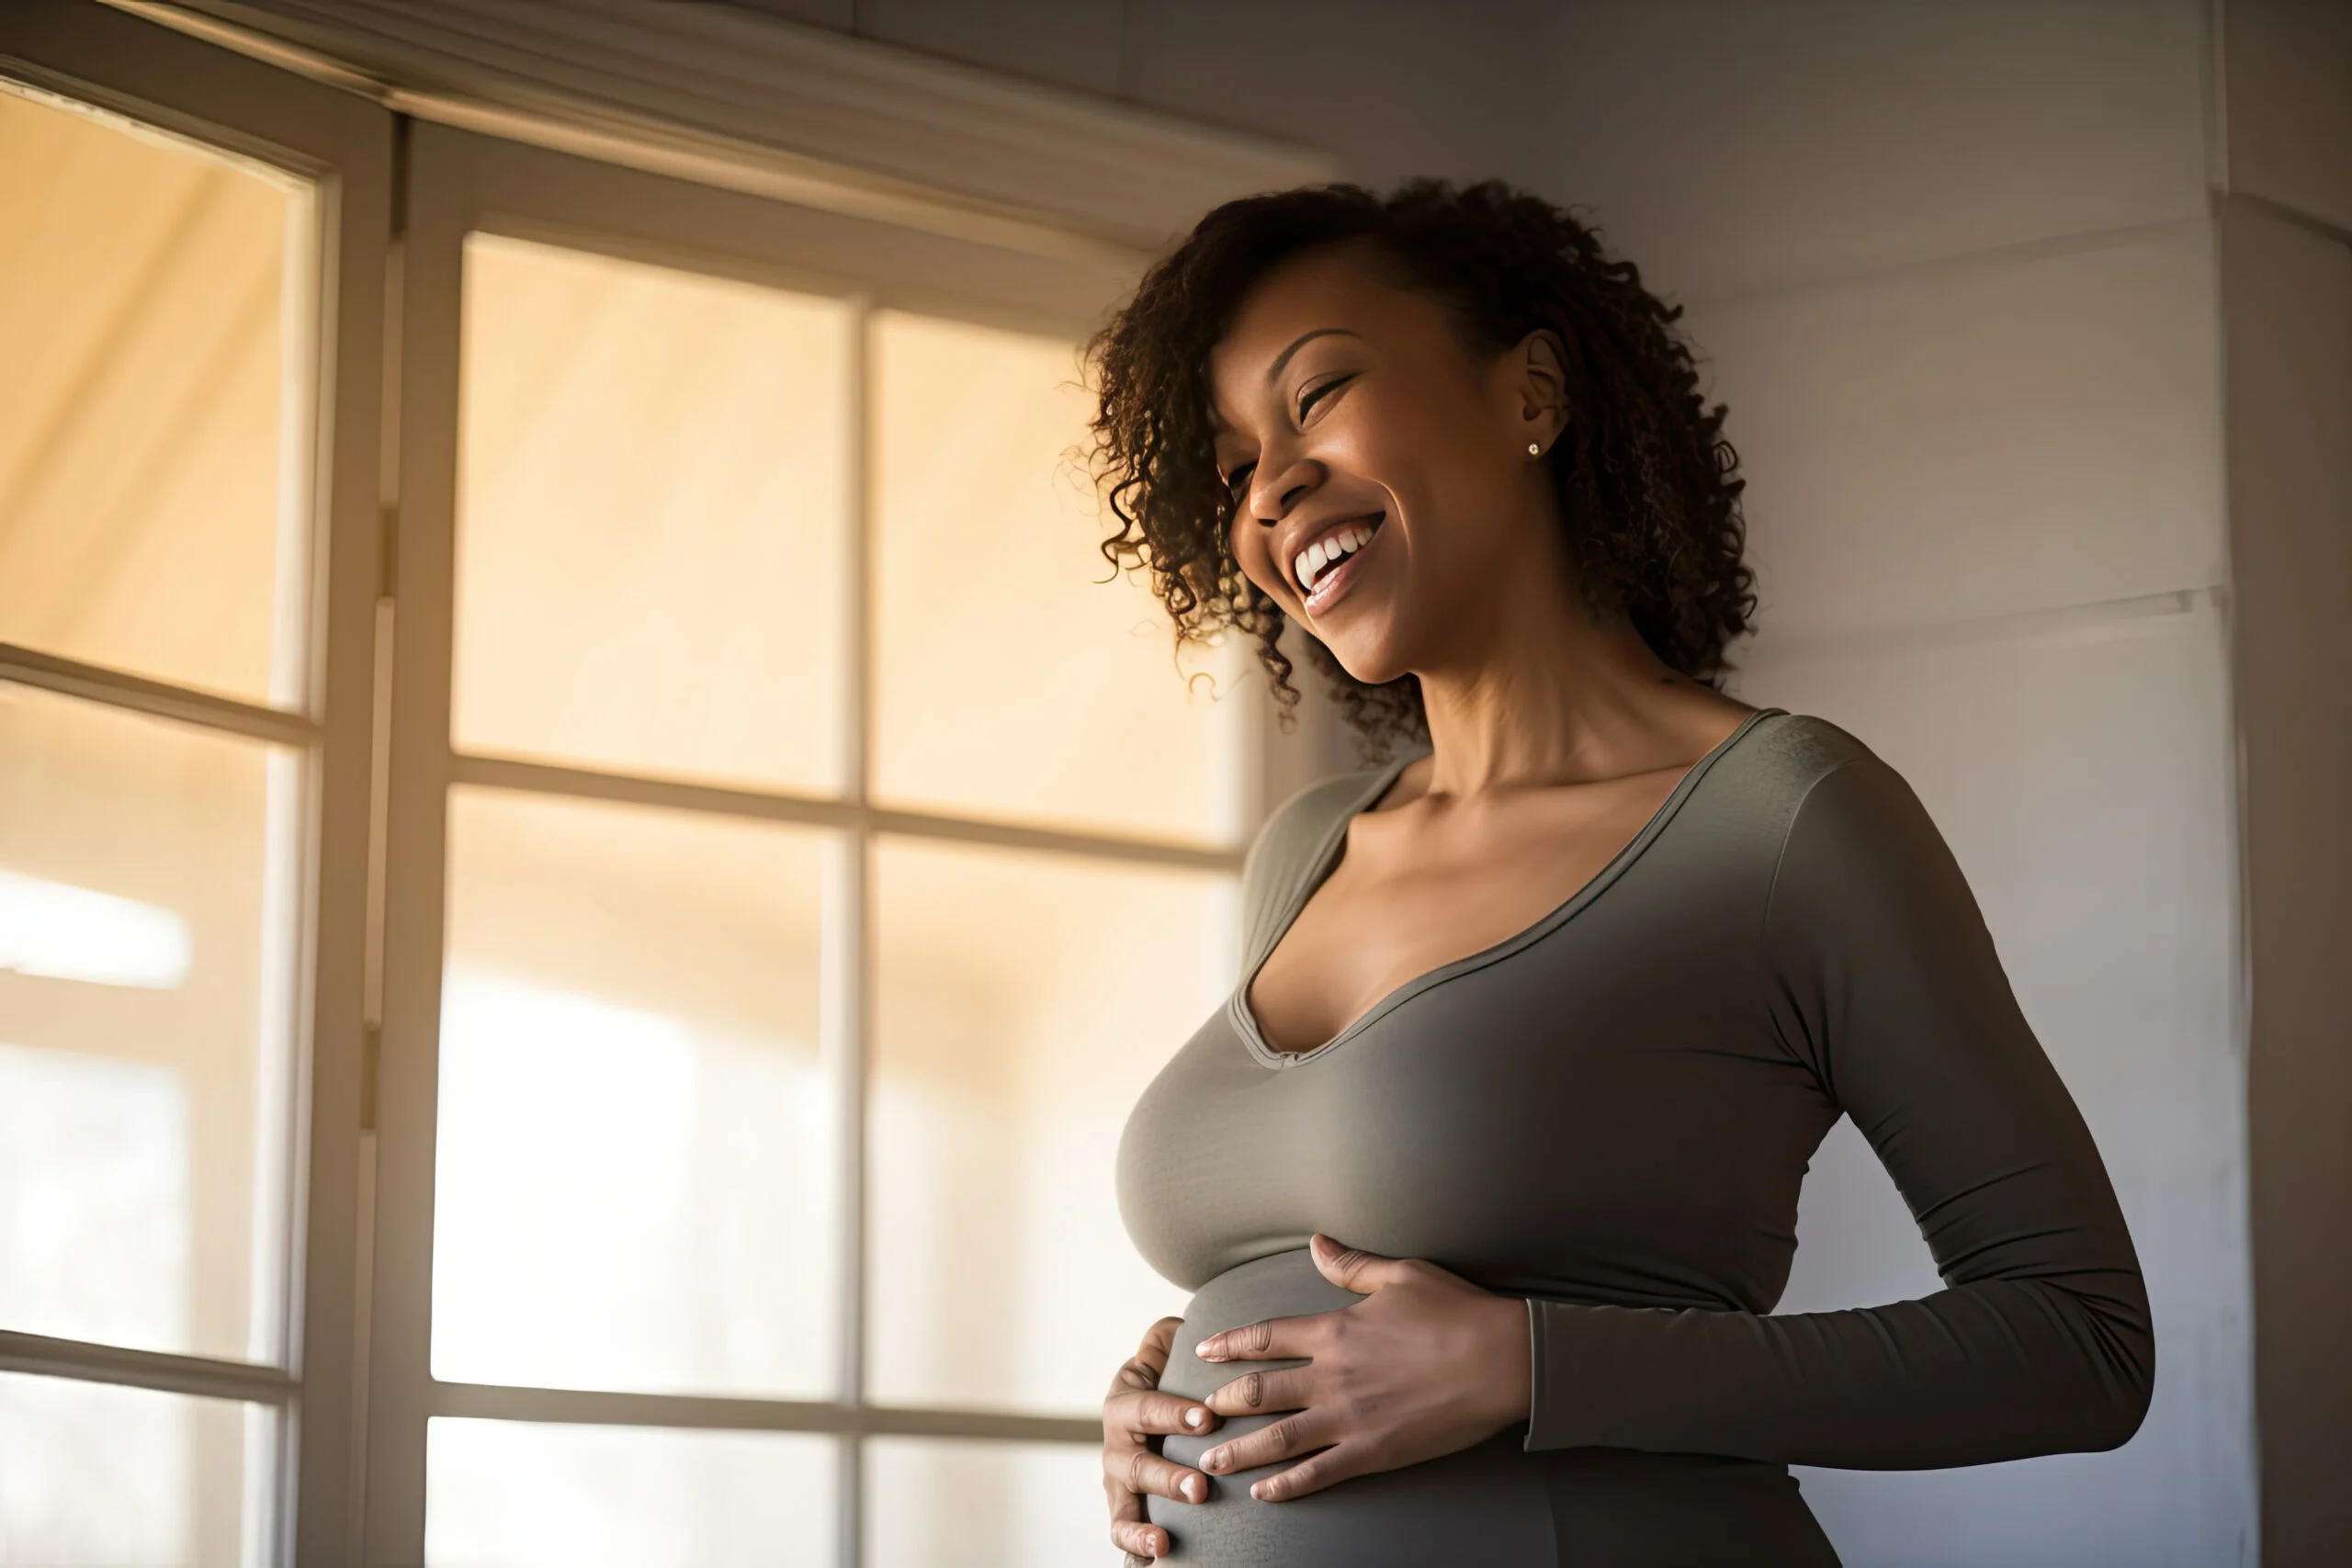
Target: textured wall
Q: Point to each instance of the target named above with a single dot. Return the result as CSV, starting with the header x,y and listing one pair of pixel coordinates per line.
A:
x,y
1955,268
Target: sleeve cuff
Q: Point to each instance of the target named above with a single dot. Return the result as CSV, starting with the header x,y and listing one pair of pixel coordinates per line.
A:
x,y
1539,1432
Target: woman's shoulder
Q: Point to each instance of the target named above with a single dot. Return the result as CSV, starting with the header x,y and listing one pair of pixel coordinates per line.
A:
x,y
1802,778
1295,829
1851,832
1788,754
1294,835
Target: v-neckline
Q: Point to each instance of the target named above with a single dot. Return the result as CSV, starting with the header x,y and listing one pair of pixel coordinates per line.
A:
x,y
1325,859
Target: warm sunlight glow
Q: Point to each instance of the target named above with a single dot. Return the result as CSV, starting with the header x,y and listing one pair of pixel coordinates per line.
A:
x,y
64,932
129,1478
155,313
1015,682
984,1505
638,1185
1024,1003
653,513
157,305
511,1495
146,928
635,1180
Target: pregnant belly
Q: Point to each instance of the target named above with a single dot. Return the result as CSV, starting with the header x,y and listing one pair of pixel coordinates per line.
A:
x,y
1493,1505
1486,1504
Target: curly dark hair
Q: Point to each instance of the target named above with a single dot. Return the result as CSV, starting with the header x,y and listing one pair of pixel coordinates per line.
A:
x,y
1649,487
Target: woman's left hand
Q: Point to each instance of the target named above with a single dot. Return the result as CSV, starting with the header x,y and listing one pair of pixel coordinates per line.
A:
x,y
1425,1365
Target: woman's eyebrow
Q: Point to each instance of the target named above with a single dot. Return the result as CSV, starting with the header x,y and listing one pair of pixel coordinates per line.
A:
x,y
1273,372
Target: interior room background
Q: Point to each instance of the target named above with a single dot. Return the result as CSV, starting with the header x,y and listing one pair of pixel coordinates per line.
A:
x,y
586,875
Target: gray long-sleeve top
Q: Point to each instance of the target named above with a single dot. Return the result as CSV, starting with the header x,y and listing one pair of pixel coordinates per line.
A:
x,y
1611,1114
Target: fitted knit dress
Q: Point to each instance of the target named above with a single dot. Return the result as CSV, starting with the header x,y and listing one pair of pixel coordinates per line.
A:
x,y
1609,1114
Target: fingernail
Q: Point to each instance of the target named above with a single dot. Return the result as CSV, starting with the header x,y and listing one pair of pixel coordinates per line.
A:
x,y
1192,1486
1208,1351
1194,1417
1214,1459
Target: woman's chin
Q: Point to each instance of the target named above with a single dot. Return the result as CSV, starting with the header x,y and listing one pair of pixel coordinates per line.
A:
x,y
1368,669
1362,642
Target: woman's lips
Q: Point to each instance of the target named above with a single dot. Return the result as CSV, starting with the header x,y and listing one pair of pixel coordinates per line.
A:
x,y
1335,581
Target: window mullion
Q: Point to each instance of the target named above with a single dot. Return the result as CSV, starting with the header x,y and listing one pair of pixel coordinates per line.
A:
x,y
849,917
417,778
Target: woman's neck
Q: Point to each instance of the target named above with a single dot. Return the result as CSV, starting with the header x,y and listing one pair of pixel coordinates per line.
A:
x,y
1544,692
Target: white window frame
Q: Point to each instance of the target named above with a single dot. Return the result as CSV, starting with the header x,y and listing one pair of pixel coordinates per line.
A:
x,y
460,183
343,143
732,143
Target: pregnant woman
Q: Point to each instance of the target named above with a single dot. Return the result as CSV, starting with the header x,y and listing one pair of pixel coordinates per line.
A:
x,y
1486,1177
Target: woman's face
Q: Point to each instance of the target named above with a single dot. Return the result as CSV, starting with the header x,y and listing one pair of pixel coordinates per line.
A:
x,y
1384,489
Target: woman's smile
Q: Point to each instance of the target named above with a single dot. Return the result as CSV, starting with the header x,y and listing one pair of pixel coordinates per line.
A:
x,y
1332,558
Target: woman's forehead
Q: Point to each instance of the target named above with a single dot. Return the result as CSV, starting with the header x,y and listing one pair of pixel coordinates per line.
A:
x,y
1330,288
1329,296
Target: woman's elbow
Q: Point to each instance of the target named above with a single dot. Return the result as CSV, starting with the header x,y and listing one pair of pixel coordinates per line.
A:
x,y
2125,1375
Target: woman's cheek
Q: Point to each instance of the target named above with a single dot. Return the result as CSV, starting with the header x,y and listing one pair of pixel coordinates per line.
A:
x,y
1258,562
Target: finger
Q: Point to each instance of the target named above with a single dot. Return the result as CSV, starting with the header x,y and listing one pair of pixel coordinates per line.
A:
x,y
1156,1414
1352,1268
1329,1468
1273,1339
1143,1369
1132,1530
1141,1471
1254,1392
1286,1439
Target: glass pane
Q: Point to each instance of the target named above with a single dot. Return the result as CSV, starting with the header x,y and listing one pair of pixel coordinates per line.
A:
x,y
653,518
155,310
1023,1003
147,930
998,639
635,1170
985,1505
91,1474
515,1494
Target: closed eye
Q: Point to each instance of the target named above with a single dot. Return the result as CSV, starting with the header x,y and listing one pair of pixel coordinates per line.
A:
x,y
1313,395
1239,476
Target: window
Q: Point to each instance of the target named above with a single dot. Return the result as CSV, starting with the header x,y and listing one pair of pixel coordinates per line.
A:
x,y
183,775
588,863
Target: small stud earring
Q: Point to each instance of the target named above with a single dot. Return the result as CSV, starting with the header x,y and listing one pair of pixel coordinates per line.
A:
x,y
1533,450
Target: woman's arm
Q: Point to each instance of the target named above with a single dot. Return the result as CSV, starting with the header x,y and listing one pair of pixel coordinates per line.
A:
x,y
1884,982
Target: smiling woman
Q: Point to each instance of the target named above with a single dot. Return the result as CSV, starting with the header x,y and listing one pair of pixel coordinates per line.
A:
x,y
1645,489
1486,1174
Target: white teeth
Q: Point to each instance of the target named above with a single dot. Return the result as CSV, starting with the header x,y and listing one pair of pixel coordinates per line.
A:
x,y
1312,562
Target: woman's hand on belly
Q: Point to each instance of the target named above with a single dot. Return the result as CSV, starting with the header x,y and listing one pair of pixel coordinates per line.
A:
x,y
1426,1364
1135,1413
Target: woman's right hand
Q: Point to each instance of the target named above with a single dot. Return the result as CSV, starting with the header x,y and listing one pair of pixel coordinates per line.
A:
x,y
1135,1413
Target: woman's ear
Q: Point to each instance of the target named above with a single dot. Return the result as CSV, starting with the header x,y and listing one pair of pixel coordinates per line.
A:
x,y
1539,366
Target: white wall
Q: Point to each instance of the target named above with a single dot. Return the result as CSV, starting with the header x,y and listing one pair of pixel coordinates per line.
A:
x,y
1954,264
1955,270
